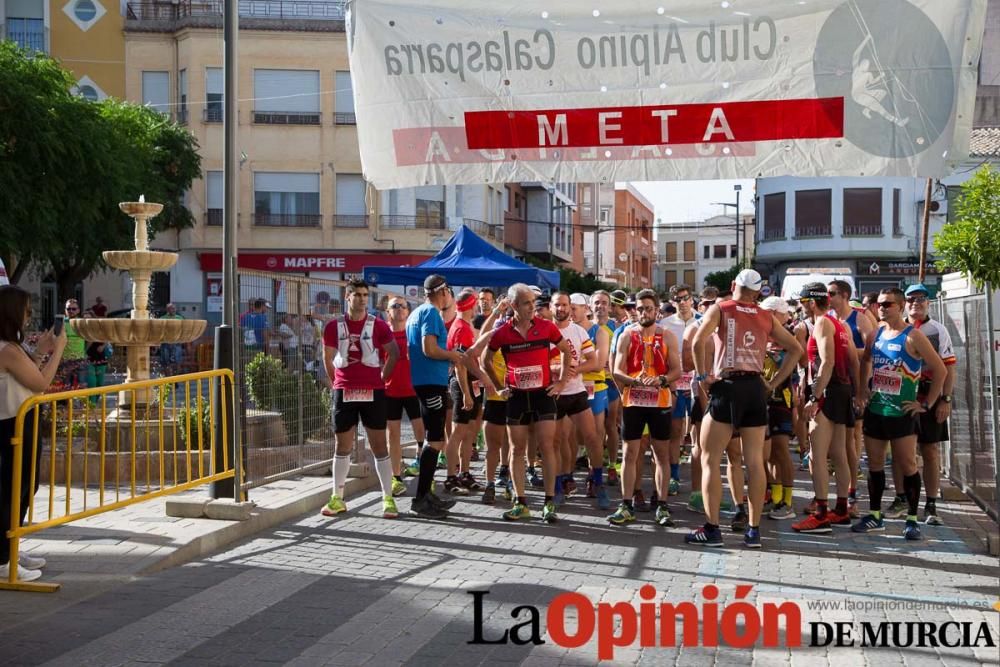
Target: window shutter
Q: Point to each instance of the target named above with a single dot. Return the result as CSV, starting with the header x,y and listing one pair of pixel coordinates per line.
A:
x,y
350,194
279,90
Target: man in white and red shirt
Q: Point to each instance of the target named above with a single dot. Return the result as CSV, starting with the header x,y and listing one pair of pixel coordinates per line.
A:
x,y
352,348
740,330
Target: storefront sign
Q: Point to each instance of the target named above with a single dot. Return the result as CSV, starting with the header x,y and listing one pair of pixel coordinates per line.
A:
x,y
907,267
309,262
472,91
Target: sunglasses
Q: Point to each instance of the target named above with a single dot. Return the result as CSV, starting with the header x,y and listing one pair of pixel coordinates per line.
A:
x,y
397,306
886,304
646,309
916,299
70,309
686,297
832,293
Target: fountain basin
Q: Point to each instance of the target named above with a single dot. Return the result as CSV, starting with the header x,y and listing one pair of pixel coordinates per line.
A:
x,y
120,331
140,260
142,208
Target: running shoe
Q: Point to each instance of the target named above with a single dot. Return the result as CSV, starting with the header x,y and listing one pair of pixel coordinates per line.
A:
x,y
442,461
503,475
569,486
517,512
23,573
535,479
468,481
398,488
740,521
781,511
673,488
334,506
810,508
931,518
439,502
639,502
549,513
768,506
912,531
704,538
805,462
582,463
811,524
622,515
591,489
24,560
412,470
508,490
613,475
603,502
426,509
751,538
852,509
389,510
663,517
490,494
870,524
837,519
695,502
897,510
453,486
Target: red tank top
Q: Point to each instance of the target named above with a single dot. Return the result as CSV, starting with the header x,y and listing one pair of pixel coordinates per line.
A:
x,y
647,356
841,363
741,339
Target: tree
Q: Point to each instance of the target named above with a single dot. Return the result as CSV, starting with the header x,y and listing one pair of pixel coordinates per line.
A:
x,y
65,163
972,242
723,280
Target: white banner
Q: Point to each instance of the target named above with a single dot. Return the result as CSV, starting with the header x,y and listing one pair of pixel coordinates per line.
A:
x,y
470,91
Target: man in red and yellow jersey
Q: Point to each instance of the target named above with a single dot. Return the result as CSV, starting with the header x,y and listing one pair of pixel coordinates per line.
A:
x,y
647,360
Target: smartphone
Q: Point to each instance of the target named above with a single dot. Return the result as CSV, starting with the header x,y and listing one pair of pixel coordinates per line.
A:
x,y
58,326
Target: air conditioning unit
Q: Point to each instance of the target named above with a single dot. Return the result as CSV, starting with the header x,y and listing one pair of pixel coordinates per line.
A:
x,y
938,207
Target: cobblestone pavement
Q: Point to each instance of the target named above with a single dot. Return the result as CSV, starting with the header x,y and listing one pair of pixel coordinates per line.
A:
x,y
361,590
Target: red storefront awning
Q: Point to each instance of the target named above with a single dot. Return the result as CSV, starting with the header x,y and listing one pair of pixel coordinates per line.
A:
x,y
301,262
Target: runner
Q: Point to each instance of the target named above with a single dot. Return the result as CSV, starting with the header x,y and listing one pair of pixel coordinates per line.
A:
x,y
646,362
487,302
531,405
426,338
572,405
399,394
467,397
840,292
831,373
543,310
933,425
351,347
779,418
737,397
699,406
613,417
677,323
893,360
495,409
600,335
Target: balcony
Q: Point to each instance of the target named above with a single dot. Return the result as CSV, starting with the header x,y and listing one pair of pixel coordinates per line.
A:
x,y
411,222
773,234
350,221
263,219
345,118
213,217
211,115
862,230
27,33
182,116
177,10
485,229
286,117
812,231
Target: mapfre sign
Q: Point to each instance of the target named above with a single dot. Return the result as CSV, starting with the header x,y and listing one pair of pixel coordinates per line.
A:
x,y
476,91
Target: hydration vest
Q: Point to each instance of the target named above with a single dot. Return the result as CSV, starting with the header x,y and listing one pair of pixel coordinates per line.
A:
x,y
369,355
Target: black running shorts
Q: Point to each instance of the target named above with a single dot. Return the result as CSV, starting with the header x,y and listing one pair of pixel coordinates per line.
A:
x,y
371,413
567,406
740,400
432,399
879,427
527,407
395,407
636,419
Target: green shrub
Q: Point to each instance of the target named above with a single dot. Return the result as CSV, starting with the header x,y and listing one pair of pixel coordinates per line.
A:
x,y
271,387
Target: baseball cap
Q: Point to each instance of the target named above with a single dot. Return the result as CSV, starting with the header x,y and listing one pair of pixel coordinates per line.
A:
x,y
630,301
813,291
775,303
543,301
750,279
919,288
434,282
535,288
578,299
618,297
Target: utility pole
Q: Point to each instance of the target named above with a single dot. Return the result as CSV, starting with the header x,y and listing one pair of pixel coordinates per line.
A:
x,y
924,230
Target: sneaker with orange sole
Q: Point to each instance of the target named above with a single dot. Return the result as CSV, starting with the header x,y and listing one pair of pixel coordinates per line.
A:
x,y
811,524
837,519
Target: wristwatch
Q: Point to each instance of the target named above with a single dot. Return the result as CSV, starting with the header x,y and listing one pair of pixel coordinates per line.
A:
x,y
946,398
701,377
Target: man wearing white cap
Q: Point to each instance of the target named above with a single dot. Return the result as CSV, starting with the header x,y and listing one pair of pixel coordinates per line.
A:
x,y
738,397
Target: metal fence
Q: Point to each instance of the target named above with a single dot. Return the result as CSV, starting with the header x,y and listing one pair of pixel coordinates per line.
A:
x,y
284,389
972,454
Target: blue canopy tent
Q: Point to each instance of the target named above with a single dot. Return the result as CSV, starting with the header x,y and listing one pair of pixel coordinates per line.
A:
x,y
466,260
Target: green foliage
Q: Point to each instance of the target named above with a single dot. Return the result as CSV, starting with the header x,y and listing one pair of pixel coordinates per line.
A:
x,y
723,280
273,388
65,163
199,422
972,242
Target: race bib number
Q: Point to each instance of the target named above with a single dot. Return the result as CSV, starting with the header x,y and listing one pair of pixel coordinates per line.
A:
x,y
644,397
589,386
358,395
528,377
887,381
684,382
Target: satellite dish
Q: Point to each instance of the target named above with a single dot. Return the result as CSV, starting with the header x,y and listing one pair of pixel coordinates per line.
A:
x,y
622,257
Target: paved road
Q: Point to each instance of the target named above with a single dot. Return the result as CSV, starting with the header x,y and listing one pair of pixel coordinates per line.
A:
x,y
362,590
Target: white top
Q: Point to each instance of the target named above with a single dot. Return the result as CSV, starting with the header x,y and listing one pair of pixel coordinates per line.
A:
x,y
12,393
289,337
580,341
677,326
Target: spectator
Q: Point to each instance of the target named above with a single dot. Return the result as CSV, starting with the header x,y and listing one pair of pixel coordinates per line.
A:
x,y
171,354
254,325
73,368
100,309
289,341
320,310
308,334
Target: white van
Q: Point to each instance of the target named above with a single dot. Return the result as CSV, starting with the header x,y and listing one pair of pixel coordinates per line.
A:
x,y
795,279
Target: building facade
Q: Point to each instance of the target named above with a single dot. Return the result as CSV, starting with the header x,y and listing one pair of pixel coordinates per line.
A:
x,y
632,252
687,252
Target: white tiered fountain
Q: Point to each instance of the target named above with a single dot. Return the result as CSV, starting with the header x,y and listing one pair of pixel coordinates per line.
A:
x,y
139,333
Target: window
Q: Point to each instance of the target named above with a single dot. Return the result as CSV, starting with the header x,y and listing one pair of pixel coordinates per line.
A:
x,y
719,252
351,201
213,198
708,252
156,90
670,277
27,33
85,10
732,251
689,277
430,214
286,199
862,211
286,97
343,99
897,227
812,213
182,96
774,216
689,251
671,251
213,95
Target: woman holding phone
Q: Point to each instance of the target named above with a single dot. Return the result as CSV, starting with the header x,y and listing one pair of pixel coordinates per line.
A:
x,y
20,378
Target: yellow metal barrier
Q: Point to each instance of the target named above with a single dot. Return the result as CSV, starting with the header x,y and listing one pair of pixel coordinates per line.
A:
x,y
149,442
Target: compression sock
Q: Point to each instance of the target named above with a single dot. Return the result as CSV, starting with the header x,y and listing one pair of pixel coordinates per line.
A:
x,y
876,486
428,466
